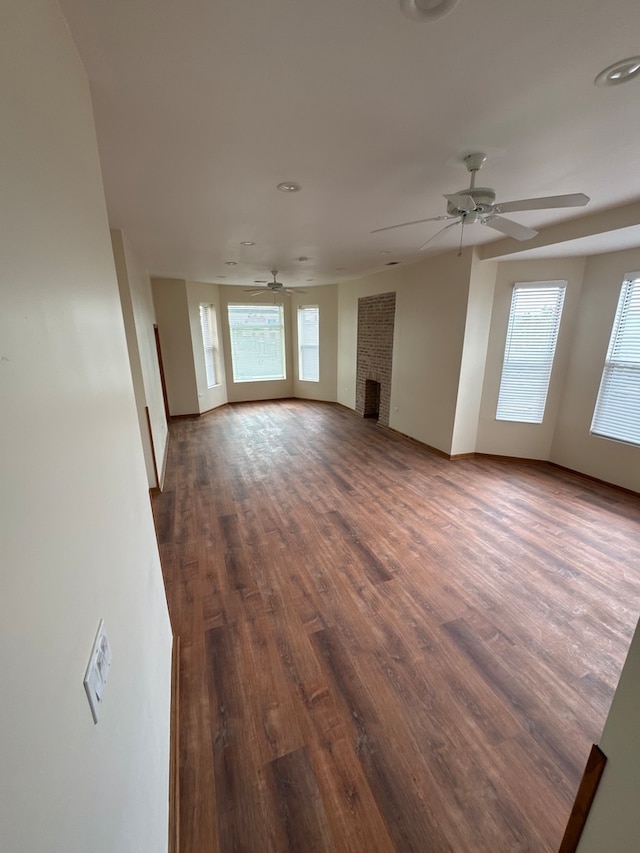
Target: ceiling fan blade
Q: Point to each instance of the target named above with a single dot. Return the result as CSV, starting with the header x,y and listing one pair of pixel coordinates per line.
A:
x,y
257,292
293,290
509,227
441,231
544,203
413,222
462,201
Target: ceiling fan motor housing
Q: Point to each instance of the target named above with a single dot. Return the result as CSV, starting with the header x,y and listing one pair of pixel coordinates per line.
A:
x,y
483,198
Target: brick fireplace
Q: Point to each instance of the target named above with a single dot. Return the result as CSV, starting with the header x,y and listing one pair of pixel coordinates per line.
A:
x,y
376,316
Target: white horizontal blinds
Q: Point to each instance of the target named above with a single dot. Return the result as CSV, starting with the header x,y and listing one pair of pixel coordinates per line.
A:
x,y
617,413
534,321
208,325
309,343
257,342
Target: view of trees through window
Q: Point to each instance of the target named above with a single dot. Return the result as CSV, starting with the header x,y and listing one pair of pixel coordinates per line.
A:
x,y
257,342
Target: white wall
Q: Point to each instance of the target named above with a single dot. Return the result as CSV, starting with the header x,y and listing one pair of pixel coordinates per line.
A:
x,y
206,294
174,330
139,318
529,441
431,305
326,298
431,310
573,446
476,339
613,824
77,534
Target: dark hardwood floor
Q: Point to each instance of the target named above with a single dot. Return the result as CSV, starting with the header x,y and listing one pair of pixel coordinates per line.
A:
x,y
382,650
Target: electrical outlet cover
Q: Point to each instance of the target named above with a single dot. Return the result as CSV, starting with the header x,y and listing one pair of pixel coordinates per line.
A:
x,y
95,678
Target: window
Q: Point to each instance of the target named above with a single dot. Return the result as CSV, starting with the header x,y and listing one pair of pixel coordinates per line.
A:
x,y
617,413
257,342
534,321
209,342
309,343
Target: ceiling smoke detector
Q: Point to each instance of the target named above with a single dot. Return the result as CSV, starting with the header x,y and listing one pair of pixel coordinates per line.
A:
x,y
427,10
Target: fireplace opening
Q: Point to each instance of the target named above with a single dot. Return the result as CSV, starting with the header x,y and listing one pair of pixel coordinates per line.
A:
x,y
371,399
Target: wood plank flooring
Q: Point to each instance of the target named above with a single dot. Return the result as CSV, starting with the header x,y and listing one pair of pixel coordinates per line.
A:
x,y
382,650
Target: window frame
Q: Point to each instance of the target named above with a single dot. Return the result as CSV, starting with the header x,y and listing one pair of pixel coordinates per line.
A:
x,y
620,378
302,346
525,379
280,326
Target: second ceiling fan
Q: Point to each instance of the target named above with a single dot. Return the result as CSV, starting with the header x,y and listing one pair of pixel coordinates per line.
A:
x,y
274,287
478,205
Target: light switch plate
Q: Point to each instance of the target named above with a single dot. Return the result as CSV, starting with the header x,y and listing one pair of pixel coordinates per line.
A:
x,y
95,678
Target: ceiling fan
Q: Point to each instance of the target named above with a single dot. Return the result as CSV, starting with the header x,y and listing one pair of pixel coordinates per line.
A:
x,y
274,287
478,205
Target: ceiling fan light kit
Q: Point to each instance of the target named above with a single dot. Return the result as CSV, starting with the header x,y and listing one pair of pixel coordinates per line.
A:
x,y
477,205
620,72
427,10
289,187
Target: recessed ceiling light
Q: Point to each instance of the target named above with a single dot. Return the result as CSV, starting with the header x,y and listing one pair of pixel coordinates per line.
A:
x,y
231,263
289,187
384,252
303,258
247,243
620,72
221,276
427,10
392,263
339,269
310,279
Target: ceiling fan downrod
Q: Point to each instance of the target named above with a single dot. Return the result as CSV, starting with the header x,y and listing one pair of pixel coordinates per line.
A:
x,y
474,162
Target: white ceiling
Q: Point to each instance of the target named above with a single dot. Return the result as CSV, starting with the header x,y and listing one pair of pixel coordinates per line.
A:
x,y
203,106
594,244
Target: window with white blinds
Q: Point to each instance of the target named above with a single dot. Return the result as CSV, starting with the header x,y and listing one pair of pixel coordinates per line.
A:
x,y
257,342
309,343
534,320
209,342
617,412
